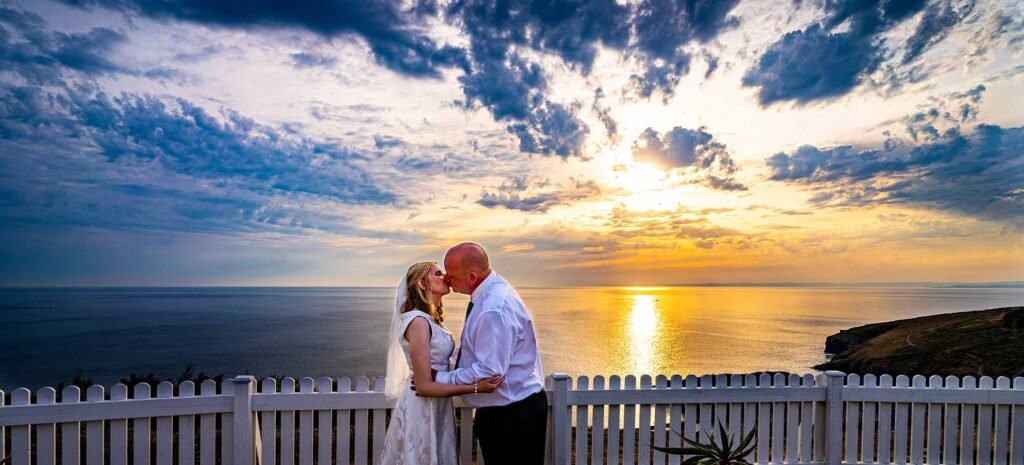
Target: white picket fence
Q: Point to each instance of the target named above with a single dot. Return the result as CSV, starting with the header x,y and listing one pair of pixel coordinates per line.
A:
x,y
829,419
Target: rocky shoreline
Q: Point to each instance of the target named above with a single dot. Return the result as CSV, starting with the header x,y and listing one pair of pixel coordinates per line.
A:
x,y
977,343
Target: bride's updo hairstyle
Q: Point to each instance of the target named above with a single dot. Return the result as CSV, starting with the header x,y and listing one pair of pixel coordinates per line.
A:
x,y
416,298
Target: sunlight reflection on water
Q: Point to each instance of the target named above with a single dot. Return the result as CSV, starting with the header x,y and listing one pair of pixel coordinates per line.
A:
x,y
643,325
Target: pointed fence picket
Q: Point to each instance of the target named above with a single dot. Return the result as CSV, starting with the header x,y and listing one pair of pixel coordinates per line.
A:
x,y
306,426
884,430
580,451
227,427
186,428
118,429
614,427
967,437
597,427
629,425
830,419
141,429
763,422
164,428
658,428
325,425
690,411
70,430
208,426
901,426
379,425
749,411
46,434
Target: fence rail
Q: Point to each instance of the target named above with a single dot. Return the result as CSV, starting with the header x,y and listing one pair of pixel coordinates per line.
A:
x,y
828,419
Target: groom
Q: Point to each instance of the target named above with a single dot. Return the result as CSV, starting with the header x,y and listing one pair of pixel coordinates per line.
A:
x,y
498,338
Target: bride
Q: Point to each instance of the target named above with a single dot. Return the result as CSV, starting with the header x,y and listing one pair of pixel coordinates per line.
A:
x,y
422,429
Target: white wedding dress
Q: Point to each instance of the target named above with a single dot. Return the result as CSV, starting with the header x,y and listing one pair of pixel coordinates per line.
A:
x,y
422,429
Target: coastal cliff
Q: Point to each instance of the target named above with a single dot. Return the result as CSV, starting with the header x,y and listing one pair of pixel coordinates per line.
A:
x,y
984,342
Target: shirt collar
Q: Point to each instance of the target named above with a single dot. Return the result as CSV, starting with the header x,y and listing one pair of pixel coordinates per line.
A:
x,y
481,290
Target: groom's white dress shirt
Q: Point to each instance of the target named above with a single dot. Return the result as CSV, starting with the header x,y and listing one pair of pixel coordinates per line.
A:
x,y
498,338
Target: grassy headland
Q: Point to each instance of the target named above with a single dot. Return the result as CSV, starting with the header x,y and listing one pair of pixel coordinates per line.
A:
x,y
984,342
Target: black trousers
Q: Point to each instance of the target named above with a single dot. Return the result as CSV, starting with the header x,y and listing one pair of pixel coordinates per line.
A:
x,y
513,433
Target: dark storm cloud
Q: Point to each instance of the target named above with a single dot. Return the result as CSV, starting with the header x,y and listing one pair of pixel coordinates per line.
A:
x,y
515,90
551,129
536,195
830,58
567,28
686,148
391,32
41,56
979,175
812,64
663,28
934,26
510,89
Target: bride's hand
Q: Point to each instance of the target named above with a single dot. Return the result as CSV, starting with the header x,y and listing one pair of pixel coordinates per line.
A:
x,y
488,385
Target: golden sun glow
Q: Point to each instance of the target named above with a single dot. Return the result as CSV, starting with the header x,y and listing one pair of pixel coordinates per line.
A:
x,y
641,177
647,188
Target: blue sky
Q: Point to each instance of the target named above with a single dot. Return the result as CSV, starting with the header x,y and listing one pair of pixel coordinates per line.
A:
x,y
653,142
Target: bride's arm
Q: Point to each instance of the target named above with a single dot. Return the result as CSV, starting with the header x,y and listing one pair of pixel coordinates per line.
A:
x,y
418,335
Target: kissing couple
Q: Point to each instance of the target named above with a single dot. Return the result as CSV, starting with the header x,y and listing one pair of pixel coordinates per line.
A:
x,y
497,369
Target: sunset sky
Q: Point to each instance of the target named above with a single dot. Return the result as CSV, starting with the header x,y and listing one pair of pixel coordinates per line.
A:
x,y
198,142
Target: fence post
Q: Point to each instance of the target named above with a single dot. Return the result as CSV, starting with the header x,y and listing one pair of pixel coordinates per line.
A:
x,y
834,417
561,428
243,425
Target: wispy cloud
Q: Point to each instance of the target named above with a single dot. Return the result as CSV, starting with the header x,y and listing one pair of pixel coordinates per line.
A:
x,y
537,195
306,60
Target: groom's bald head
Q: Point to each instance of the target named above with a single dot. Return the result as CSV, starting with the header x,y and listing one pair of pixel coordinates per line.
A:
x,y
470,256
467,265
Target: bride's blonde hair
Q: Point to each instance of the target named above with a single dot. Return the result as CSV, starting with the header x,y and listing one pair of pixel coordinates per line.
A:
x,y
416,297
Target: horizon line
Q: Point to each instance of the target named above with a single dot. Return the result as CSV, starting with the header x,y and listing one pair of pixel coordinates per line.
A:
x,y
931,284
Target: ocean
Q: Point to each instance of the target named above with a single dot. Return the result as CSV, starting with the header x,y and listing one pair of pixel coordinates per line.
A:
x,y
47,334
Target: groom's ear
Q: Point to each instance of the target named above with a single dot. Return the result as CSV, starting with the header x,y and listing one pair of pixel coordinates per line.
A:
x,y
472,277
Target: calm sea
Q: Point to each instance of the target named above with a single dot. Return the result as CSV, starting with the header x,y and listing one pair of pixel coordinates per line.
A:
x,y
47,334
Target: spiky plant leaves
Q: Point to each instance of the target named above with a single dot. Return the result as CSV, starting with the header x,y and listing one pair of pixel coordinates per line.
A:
x,y
720,448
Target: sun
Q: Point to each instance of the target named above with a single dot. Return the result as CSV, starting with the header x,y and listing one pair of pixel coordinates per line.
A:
x,y
646,188
641,177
